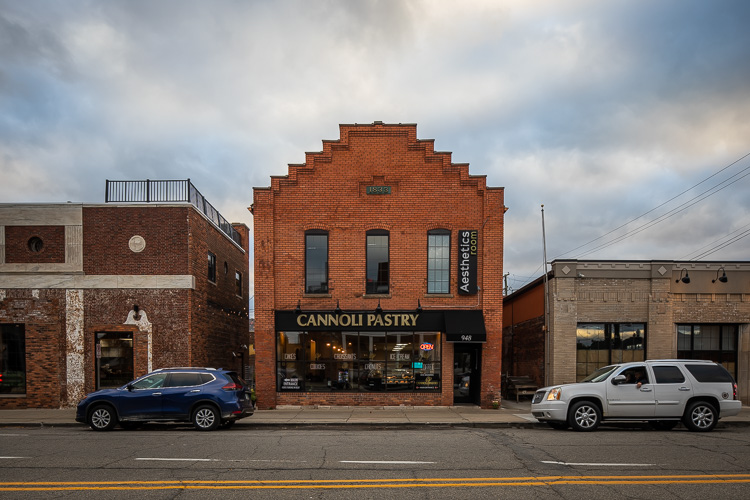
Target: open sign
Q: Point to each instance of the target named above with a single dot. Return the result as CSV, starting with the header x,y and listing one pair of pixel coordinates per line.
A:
x,y
427,346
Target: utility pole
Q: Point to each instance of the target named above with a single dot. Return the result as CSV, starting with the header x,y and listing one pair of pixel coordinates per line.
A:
x,y
546,308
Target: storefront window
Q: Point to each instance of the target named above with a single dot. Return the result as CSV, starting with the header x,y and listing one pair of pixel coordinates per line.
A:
x,y
12,359
715,342
601,344
358,361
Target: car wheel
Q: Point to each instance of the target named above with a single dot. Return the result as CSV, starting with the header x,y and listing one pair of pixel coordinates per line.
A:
x,y
102,418
584,416
206,418
663,425
560,426
700,416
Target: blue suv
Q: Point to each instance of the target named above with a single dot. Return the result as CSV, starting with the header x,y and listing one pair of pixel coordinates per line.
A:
x,y
207,397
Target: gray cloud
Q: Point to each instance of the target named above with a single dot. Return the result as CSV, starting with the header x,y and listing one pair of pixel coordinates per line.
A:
x,y
599,110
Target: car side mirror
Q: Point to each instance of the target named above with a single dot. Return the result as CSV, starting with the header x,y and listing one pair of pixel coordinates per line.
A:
x,y
130,387
618,380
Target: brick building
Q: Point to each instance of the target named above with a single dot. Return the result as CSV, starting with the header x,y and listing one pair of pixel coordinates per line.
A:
x,y
603,312
92,296
378,276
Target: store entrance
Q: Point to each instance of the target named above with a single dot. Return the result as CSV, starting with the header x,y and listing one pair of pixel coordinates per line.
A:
x,y
114,359
467,364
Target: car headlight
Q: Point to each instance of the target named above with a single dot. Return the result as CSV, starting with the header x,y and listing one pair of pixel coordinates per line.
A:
x,y
554,394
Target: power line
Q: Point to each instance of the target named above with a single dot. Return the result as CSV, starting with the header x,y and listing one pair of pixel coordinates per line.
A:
x,y
662,217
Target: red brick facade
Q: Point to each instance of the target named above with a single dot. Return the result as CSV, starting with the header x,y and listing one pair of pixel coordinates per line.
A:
x,y
329,192
152,256
18,251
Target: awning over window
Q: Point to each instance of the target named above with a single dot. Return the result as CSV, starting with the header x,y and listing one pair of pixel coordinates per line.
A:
x,y
465,326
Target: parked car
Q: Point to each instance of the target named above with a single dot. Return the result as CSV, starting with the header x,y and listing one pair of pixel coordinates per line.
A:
x,y
661,392
207,397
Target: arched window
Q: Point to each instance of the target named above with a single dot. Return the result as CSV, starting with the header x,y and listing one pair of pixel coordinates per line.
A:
x,y
438,261
316,261
377,261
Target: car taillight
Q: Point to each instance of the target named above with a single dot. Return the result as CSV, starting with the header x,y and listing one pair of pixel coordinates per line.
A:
x,y
734,391
232,386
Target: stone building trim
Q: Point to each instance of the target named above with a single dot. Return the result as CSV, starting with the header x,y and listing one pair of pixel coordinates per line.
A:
x,y
162,281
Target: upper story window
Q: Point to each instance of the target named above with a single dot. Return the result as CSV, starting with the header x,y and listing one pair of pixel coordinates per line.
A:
x,y
211,267
377,261
438,261
316,261
238,283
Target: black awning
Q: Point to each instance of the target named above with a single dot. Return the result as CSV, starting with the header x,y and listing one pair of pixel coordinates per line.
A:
x,y
465,326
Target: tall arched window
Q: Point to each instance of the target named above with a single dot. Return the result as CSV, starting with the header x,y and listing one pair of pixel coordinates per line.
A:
x,y
316,261
377,261
438,261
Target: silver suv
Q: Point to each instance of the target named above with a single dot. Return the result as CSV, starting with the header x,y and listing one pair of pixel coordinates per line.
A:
x,y
663,392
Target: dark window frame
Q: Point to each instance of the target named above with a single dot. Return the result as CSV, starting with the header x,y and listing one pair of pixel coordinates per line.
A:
x,y
721,355
14,368
238,283
375,287
612,333
323,288
211,267
439,232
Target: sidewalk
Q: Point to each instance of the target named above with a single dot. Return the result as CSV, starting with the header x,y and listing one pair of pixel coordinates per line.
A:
x,y
509,415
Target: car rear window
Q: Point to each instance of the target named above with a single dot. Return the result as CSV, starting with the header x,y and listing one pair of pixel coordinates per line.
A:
x,y
710,373
668,375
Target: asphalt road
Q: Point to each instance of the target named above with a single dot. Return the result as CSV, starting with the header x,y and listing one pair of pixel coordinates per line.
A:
x,y
163,462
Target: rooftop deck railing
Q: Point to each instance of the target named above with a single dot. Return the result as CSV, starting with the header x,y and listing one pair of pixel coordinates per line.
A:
x,y
150,191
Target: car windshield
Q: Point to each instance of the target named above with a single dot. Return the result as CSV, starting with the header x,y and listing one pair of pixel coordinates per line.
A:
x,y
600,374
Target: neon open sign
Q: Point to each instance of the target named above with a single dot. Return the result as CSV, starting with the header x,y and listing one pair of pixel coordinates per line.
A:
x,y
427,346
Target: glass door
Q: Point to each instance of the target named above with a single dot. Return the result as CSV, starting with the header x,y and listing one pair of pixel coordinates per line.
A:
x,y
466,373
114,359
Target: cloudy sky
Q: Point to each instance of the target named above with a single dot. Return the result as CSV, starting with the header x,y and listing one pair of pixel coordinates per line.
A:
x,y
625,118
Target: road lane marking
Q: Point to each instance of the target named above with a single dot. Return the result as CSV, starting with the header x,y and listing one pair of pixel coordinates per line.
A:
x,y
594,463
399,462
162,459
376,483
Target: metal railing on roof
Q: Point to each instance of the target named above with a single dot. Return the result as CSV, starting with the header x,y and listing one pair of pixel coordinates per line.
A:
x,y
151,191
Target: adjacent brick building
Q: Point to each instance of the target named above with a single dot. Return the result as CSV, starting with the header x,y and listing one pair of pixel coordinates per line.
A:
x,y
603,312
93,295
378,276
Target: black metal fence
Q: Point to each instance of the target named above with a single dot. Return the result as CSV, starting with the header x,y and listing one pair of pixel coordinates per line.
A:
x,y
150,191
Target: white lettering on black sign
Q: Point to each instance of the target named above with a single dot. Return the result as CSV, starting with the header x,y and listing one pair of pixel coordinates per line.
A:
x,y
468,249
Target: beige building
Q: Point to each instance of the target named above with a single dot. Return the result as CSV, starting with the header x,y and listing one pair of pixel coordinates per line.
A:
x,y
603,312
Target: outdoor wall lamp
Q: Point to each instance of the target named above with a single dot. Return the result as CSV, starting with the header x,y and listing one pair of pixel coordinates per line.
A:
x,y
298,309
378,309
723,278
338,309
419,306
685,279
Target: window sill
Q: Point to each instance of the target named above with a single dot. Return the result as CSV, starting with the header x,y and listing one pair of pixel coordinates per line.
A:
x,y
317,295
376,296
438,295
